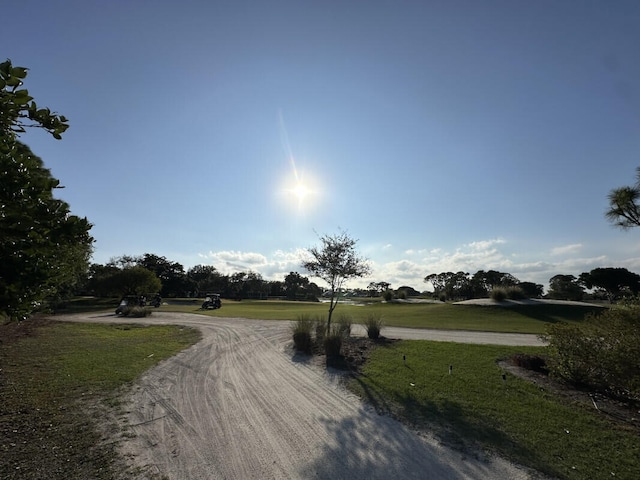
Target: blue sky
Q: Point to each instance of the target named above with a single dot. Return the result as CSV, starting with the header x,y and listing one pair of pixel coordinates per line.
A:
x,y
443,135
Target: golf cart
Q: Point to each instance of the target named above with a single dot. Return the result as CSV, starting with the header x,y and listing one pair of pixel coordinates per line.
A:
x,y
156,300
211,301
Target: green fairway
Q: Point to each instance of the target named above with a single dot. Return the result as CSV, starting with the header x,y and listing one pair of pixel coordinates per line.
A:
x,y
518,319
473,405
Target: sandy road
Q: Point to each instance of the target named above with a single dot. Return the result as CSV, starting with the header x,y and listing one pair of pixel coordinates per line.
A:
x,y
238,405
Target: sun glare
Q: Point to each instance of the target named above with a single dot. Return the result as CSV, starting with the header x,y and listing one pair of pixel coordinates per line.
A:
x,y
301,191
300,194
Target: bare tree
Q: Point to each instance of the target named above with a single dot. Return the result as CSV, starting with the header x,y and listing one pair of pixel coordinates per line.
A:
x,y
336,261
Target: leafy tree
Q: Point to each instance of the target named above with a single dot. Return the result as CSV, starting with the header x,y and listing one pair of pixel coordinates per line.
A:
x,y
133,281
624,211
335,262
613,281
18,110
377,288
97,282
123,261
247,285
408,291
485,282
295,285
171,274
451,285
44,250
565,287
438,280
275,288
255,286
531,289
175,281
206,278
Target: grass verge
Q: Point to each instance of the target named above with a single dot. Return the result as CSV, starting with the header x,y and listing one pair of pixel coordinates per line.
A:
x,y
473,406
51,374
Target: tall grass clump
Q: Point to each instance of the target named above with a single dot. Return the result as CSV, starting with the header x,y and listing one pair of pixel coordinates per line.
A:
x,y
499,294
343,325
333,344
515,293
301,329
321,329
373,325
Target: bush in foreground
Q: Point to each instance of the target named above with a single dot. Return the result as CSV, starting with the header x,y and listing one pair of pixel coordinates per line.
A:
x,y
602,353
373,325
301,330
333,344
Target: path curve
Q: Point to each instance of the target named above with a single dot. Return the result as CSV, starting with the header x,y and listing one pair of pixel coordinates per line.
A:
x,y
238,405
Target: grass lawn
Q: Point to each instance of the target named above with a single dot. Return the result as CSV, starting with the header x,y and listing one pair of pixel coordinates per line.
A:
x,y
520,319
473,405
50,372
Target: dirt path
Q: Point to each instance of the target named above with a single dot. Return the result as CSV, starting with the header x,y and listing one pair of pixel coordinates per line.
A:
x,y
238,405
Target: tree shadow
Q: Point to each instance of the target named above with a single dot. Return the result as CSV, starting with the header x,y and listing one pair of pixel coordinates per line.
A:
x,y
447,423
553,313
367,445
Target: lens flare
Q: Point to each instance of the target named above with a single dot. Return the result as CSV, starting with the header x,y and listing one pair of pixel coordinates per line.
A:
x,y
298,188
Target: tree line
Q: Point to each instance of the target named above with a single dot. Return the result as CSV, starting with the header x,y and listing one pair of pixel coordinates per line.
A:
x,y
608,283
151,274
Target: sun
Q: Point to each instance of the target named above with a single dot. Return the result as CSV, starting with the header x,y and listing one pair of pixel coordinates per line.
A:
x,y
301,192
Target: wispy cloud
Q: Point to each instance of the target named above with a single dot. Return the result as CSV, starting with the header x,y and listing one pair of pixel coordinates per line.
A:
x,y
566,249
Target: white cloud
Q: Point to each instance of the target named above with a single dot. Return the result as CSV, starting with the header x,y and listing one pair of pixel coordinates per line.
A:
x,y
274,267
231,261
485,244
417,263
566,249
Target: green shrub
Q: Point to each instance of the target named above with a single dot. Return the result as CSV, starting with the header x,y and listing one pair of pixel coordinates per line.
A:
x,y
302,342
333,345
602,353
373,325
530,362
136,312
301,329
387,295
498,294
